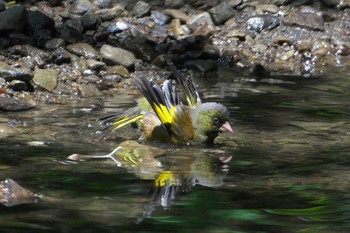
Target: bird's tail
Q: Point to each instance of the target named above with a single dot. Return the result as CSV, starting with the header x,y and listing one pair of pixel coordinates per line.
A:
x,y
119,120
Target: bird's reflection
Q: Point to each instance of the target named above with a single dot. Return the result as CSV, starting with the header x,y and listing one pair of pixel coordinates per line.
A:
x,y
172,174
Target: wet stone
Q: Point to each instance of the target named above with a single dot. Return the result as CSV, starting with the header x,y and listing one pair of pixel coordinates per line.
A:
x,y
83,49
54,43
177,14
303,45
89,21
110,14
13,73
60,56
17,85
305,19
235,3
159,17
95,65
45,78
260,22
88,90
80,7
103,3
38,20
13,19
221,13
174,3
117,56
119,70
200,19
141,8
12,104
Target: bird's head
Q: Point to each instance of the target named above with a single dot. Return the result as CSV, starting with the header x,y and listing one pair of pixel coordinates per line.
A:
x,y
209,119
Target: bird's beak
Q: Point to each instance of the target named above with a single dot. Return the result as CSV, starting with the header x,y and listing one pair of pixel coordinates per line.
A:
x,y
226,127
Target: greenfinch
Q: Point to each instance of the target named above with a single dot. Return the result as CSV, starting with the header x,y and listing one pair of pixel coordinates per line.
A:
x,y
161,115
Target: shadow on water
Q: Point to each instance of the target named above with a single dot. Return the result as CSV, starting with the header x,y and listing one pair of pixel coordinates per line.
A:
x,y
285,168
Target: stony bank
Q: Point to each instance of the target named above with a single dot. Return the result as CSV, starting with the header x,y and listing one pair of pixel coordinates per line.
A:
x,y
90,48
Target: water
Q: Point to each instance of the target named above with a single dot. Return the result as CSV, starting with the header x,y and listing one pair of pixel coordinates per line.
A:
x,y
285,168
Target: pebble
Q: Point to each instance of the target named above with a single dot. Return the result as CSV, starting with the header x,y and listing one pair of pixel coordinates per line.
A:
x,y
200,20
80,7
12,104
260,22
119,70
17,85
117,56
305,19
221,13
45,78
83,49
141,8
177,14
10,73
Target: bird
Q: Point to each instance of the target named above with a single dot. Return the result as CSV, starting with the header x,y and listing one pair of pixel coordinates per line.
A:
x,y
163,117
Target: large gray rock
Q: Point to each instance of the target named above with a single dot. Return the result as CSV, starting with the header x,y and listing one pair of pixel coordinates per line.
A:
x,y
13,19
117,56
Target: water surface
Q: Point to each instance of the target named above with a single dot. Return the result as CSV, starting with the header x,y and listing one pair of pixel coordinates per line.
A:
x,y
285,168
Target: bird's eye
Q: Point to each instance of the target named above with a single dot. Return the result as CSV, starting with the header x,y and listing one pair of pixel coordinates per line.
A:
x,y
216,120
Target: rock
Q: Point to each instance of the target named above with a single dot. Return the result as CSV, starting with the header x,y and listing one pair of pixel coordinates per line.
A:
x,y
103,3
267,8
119,70
89,21
60,56
55,43
141,8
303,45
87,90
12,104
177,14
17,85
341,4
174,3
159,17
221,12
13,19
75,24
95,65
305,19
117,56
110,14
28,50
37,20
199,20
45,78
202,65
235,3
12,73
80,7
83,49
260,22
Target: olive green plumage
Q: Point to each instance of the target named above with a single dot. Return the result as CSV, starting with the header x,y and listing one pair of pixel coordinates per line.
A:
x,y
163,117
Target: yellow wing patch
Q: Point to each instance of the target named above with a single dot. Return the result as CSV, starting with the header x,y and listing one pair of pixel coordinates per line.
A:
x,y
165,115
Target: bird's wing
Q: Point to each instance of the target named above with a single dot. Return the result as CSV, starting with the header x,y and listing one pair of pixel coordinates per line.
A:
x,y
163,99
190,90
119,120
